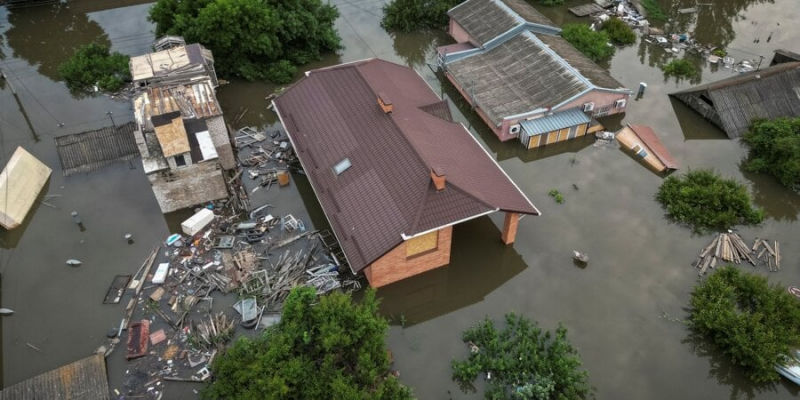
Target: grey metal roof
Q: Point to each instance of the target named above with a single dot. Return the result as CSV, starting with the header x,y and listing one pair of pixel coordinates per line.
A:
x,y
82,380
560,120
518,76
485,19
771,93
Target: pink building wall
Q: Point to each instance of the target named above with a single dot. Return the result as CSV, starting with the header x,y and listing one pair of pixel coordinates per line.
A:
x,y
460,35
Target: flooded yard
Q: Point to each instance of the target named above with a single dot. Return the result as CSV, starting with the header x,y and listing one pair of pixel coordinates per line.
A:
x,y
623,310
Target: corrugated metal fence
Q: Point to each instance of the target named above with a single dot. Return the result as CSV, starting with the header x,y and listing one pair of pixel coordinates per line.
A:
x,y
89,151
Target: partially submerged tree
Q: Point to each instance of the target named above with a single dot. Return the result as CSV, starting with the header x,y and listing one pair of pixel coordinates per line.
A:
x,y
749,320
681,68
592,44
254,39
523,361
323,348
775,149
705,200
94,64
411,15
618,31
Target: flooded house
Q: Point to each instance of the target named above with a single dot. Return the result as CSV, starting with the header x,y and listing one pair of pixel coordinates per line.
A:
x,y
521,77
732,104
181,134
392,171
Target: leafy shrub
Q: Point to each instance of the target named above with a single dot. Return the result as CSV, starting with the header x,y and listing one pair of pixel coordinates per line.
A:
x,y
592,44
410,15
653,10
94,64
326,348
720,52
556,195
680,68
704,200
775,149
523,361
749,320
254,39
618,31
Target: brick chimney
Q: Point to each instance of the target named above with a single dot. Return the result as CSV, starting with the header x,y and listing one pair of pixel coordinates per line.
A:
x,y
438,178
385,103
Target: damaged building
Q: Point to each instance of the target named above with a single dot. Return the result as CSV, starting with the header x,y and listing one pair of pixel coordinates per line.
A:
x,y
522,78
181,134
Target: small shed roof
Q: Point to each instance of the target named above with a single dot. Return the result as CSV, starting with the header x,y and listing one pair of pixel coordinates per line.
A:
x,y
649,137
82,380
171,134
770,93
20,183
554,122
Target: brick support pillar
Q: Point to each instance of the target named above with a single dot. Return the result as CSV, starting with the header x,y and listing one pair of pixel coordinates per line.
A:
x,y
510,227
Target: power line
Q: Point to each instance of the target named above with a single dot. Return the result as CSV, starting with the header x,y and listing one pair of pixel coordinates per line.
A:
x,y
34,98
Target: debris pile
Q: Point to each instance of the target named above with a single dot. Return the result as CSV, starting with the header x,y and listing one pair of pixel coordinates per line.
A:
x,y
729,247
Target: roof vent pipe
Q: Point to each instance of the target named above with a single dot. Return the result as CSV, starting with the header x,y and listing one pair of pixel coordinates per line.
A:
x,y
438,178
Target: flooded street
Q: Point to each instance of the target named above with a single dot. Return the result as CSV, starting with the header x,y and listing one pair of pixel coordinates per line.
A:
x,y
623,311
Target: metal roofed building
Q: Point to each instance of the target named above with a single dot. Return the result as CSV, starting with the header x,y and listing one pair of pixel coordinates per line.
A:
x,y
181,134
733,103
390,168
512,66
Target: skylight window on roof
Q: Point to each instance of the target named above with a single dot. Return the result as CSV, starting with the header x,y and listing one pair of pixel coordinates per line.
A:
x,y
342,166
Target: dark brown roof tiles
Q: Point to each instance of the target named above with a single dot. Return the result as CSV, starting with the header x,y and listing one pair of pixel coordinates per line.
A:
x,y
333,114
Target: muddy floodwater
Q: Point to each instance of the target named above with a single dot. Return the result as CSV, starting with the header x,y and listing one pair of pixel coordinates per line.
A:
x,y
623,310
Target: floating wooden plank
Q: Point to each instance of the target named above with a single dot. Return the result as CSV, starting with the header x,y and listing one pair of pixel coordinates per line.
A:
x,y
586,9
20,184
92,150
777,256
84,379
117,288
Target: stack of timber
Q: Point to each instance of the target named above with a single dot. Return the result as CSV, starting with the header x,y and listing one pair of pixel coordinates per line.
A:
x,y
771,254
729,247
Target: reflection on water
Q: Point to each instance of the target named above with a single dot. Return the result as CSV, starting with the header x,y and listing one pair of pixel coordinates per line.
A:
x,y
47,35
414,48
777,201
728,374
479,264
693,125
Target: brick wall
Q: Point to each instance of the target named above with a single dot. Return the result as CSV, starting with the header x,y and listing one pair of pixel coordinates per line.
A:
x,y
394,266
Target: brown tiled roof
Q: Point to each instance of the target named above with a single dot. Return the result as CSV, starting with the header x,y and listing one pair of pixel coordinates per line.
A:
x,y
333,114
646,134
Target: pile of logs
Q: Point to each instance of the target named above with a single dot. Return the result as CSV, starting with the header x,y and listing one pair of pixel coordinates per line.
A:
x,y
729,247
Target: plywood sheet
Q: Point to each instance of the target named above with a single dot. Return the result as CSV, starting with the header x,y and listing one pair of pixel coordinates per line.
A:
x,y
20,183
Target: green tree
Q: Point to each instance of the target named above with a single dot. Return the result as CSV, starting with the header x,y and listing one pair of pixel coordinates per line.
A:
x,y
92,65
524,362
323,348
592,44
754,323
775,149
254,39
705,200
618,31
653,11
681,68
411,15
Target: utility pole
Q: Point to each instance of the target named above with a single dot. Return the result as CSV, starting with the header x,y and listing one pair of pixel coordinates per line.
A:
x,y
110,115
21,107
759,62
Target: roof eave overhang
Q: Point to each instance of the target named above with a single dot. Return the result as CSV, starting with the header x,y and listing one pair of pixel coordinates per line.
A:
x,y
406,237
313,186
